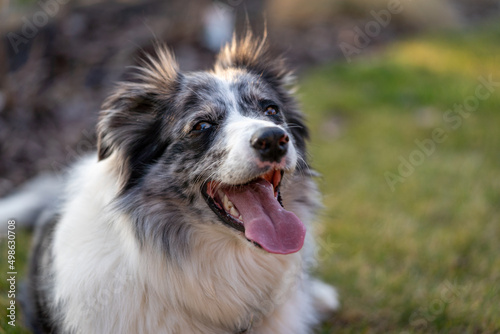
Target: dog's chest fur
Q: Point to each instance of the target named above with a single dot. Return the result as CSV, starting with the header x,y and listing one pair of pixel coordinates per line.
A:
x,y
224,287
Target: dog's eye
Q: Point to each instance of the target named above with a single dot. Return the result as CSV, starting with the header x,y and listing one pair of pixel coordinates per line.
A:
x,y
202,126
271,110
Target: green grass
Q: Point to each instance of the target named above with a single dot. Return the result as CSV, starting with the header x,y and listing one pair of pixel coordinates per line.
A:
x,y
425,256
22,248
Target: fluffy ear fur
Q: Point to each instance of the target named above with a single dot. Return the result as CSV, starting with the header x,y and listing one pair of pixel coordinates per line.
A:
x,y
131,122
253,54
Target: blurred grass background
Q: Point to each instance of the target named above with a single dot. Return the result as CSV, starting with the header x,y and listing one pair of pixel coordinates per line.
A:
x,y
419,257
424,257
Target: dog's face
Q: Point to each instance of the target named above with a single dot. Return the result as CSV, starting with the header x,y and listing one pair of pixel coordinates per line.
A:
x,y
221,139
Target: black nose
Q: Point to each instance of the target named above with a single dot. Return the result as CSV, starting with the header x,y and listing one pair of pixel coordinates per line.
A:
x,y
271,143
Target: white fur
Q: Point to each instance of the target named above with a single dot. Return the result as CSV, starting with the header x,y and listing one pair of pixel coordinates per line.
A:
x,y
106,284
325,296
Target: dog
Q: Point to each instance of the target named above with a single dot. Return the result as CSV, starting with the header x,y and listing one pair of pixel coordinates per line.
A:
x,y
194,215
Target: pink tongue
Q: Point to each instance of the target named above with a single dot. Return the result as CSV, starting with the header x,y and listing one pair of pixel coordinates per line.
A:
x,y
266,222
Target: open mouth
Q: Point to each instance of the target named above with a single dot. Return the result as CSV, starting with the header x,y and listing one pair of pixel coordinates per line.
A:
x,y
256,210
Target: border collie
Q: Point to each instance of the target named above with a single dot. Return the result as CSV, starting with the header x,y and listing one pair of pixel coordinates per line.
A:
x,y
194,214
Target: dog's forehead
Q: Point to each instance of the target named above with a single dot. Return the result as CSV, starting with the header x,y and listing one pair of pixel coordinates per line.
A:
x,y
218,95
225,88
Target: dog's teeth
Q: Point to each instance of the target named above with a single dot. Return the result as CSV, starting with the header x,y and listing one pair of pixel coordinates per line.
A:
x,y
220,193
234,212
240,217
224,201
227,203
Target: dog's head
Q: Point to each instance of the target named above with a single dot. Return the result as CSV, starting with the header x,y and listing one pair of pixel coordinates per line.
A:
x,y
224,139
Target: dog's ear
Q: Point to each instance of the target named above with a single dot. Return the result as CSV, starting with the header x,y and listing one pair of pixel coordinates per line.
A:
x,y
252,54
131,120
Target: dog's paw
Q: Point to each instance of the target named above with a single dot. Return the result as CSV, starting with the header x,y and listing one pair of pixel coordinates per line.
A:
x,y
325,297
